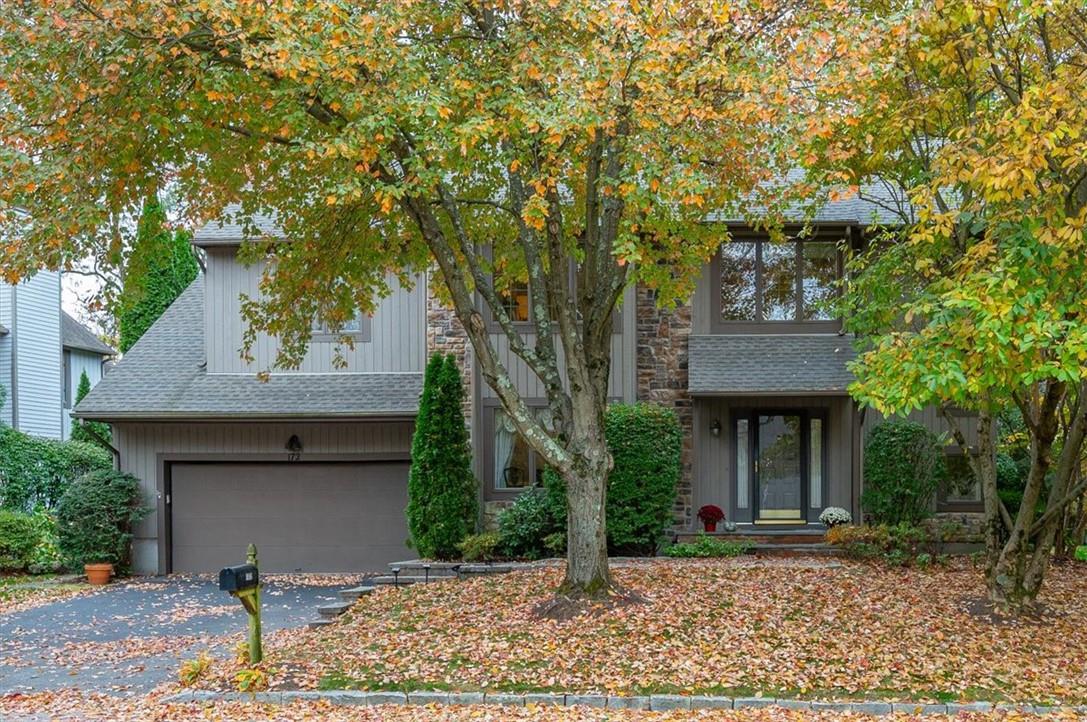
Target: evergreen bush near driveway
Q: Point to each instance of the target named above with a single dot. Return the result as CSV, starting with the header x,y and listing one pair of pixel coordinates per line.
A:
x,y
95,518
18,539
646,443
442,492
903,467
36,471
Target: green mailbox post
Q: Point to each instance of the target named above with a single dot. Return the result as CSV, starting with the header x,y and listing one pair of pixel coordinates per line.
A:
x,y
243,582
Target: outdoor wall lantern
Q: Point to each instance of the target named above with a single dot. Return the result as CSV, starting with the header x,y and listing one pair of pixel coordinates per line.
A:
x,y
715,427
294,448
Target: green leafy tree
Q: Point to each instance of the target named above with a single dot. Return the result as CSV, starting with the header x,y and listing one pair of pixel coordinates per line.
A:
x,y
976,111
442,492
571,146
160,266
94,432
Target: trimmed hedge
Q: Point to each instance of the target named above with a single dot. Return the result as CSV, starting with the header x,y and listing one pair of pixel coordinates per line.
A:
x,y
903,467
442,491
18,539
646,443
36,471
95,518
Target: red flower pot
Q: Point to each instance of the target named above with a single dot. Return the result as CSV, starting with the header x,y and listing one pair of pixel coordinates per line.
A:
x,y
710,525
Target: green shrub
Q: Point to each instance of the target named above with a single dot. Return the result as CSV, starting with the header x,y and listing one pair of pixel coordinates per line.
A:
x,y
525,525
479,547
36,471
160,266
442,492
708,547
95,518
903,467
18,539
92,432
46,557
1081,553
898,545
646,443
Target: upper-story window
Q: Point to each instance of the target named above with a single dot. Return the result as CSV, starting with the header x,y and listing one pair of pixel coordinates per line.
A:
x,y
357,327
515,301
777,284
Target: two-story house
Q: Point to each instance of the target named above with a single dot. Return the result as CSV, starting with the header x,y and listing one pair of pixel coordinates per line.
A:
x,y
312,464
43,353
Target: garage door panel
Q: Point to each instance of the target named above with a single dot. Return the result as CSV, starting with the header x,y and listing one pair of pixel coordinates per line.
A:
x,y
302,516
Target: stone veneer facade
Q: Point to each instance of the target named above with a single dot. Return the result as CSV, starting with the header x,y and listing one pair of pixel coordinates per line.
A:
x,y
445,334
662,342
662,351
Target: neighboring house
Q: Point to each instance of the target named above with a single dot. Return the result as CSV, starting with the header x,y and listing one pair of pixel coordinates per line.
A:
x,y
43,351
312,464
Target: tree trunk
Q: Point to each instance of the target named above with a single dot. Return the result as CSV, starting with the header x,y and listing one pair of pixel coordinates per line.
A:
x,y
587,572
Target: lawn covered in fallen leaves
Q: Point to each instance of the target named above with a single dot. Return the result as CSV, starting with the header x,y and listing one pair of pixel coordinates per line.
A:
x,y
72,705
22,592
782,627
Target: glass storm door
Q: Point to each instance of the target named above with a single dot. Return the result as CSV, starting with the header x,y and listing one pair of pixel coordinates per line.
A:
x,y
779,467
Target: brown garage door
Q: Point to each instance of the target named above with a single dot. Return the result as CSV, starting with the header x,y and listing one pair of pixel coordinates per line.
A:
x,y
303,517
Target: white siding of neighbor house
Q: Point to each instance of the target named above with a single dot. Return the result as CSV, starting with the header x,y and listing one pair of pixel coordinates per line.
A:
x,y
80,361
34,350
5,353
145,447
397,340
622,382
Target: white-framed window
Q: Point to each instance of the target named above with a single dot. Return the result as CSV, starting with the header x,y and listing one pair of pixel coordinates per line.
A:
x,y
357,327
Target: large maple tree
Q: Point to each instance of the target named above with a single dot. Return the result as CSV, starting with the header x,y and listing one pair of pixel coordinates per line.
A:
x,y
976,112
572,145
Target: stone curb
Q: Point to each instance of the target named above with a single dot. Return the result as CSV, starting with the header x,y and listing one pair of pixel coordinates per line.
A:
x,y
652,702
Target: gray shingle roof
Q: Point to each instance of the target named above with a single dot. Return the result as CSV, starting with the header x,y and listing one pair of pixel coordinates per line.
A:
x,y
164,376
75,335
230,229
876,203
762,364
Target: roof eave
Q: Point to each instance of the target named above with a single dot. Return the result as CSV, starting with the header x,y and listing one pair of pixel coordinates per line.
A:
x,y
111,416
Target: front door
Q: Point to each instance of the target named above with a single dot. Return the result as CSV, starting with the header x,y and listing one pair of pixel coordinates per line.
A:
x,y
779,467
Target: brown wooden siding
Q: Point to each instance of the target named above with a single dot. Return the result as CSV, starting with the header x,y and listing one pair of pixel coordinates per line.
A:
x,y
621,383
145,448
398,328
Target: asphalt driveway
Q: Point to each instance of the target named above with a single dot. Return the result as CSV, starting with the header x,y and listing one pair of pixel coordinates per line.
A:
x,y
133,636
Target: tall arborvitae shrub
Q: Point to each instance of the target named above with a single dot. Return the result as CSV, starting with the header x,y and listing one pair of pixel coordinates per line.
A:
x,y
442,492
161,266
92,432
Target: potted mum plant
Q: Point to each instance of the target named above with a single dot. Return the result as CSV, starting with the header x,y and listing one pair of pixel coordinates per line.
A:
x,y
834,516
95,517
709,515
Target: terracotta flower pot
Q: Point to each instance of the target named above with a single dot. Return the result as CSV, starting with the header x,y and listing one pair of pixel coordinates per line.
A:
x,y
98,574
710,525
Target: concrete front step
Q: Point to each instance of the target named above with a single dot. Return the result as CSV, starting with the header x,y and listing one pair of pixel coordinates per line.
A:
x,y
353,594
322,622
334,610
797,550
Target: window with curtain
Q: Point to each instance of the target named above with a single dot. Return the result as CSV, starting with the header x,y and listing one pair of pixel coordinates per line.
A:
x,y
516,465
